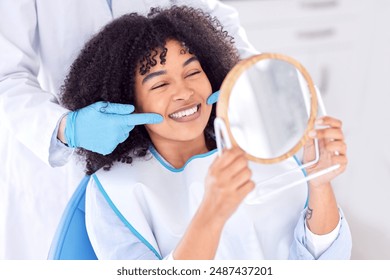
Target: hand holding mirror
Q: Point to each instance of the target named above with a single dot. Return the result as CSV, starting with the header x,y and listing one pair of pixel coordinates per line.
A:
x,y
267,106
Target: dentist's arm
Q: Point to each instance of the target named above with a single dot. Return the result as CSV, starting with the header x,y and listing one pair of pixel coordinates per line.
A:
x,y
101,126
28,112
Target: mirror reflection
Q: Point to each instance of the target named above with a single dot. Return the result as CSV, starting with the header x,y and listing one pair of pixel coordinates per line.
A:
x,y
269,107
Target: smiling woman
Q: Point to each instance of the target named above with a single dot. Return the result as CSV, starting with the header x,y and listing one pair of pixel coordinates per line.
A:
x,y
178,199
178,57
177,90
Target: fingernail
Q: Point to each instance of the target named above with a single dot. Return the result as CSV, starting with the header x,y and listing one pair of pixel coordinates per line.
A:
x,y
312,134
319,121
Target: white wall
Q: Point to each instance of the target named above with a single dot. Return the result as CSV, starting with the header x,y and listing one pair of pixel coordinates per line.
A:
x,y
345,45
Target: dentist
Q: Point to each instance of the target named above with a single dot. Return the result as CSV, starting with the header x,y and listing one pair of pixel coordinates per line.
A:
x,y
38,42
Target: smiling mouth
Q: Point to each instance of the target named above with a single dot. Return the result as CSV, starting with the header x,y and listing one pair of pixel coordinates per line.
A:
x,y
185,113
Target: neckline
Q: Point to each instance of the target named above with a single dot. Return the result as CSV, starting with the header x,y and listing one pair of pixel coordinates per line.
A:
x,y
168,166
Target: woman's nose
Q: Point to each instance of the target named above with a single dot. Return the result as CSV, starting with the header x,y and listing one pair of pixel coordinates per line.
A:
x,y
183,93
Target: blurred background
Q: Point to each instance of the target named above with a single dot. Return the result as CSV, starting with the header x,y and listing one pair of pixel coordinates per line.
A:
x,y
345,46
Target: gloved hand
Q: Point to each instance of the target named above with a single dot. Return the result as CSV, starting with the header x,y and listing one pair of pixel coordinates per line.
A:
x,y
213,98
101,126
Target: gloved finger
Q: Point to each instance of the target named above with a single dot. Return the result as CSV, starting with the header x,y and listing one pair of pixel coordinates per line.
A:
x,y
115,108
213,98
144,118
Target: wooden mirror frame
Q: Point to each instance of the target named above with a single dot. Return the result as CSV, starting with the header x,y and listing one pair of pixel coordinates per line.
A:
x,y
227,87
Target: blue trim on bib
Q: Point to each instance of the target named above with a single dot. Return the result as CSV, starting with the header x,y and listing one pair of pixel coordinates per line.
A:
x,y
123,219
304,173
173,169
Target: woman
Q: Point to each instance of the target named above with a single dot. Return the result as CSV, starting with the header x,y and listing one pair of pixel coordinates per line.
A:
x,y
171,196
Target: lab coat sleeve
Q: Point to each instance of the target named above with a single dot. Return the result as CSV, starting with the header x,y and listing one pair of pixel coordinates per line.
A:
x,y
59,153
110,238
339,249
29,113
229,18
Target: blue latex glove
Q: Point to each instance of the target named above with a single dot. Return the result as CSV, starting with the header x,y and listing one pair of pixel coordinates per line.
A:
x,y
101,126
213,98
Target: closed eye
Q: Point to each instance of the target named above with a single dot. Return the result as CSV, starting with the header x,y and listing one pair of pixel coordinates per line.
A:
x,y
193,73
159,86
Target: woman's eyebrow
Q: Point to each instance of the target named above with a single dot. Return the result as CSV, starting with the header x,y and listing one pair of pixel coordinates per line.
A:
x,y
191,59
152,75
162,72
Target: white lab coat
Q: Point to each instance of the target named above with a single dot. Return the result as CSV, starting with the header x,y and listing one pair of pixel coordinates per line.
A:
x,y
38,42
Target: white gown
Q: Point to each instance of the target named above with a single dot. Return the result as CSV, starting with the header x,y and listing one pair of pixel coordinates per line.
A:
x,y
140,211
155,204
39,39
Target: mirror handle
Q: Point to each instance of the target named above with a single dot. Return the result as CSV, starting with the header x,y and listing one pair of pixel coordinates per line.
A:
x,y
255,199
320,102
221,135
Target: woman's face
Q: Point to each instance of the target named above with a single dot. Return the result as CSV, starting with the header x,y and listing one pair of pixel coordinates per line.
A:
x,y
178,91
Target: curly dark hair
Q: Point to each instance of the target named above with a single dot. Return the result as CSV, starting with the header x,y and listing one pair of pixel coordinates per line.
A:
x,y
101,71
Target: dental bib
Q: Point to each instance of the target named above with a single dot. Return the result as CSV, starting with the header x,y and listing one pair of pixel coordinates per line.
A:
x,y
158,202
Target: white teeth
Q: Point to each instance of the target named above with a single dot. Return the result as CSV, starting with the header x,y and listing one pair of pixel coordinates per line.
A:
x,y
184,113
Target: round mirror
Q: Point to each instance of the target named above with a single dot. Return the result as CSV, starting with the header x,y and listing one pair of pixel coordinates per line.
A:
x,y
268,103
